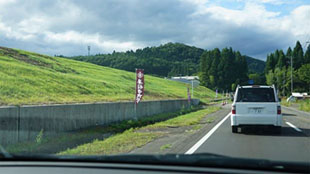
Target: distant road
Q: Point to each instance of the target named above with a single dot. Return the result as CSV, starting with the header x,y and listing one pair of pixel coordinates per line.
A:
x,y
292,145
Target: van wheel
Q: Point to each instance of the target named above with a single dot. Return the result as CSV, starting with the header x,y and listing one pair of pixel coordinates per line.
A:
x,y
234,129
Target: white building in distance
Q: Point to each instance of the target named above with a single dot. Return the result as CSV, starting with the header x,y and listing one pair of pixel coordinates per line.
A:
x,y
187,79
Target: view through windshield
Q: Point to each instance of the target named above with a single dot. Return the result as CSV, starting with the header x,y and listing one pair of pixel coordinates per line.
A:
x,y
100,78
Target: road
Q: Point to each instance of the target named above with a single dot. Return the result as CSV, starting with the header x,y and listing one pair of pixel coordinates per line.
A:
x,y
293,144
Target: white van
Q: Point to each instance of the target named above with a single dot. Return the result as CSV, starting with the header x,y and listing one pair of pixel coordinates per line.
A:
x,y
256,105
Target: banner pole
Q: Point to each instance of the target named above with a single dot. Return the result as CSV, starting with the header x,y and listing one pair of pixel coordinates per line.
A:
x,y
135,97
136,111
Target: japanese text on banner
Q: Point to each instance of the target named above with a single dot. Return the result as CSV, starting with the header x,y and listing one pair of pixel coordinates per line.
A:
x,y
139,85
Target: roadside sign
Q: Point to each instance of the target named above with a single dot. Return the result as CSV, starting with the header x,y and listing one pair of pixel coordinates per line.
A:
x,y
139,85
251,82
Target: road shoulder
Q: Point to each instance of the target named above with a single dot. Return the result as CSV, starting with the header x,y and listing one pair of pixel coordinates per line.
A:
x,y
298,118
296,110
180,139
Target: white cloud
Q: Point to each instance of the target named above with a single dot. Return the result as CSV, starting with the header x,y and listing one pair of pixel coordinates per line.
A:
x,y
296,25
275,2
9,32
252,14
68,26
272,2
74,37
34,25
6,2
298,22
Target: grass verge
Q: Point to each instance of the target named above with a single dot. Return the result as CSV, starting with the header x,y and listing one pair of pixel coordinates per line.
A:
x,y
284,103
185,120
119,143
303,105
133,138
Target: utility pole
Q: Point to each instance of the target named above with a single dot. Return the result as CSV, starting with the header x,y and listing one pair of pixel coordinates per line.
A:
x,y
284,81
291,74
192,88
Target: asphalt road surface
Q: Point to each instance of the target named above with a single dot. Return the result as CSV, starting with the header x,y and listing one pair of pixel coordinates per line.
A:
x,y
293,144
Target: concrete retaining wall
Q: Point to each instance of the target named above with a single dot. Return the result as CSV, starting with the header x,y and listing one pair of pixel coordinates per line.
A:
x,y
24,123
9,125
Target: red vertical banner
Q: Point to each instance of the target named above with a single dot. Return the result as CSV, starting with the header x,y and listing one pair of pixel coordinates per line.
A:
x,y
139,85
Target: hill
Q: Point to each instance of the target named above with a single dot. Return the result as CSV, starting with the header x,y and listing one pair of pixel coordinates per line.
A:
x,y
255,65
31,78
171,59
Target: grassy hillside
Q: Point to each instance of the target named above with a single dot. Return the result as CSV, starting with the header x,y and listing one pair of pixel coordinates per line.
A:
x,y
30,78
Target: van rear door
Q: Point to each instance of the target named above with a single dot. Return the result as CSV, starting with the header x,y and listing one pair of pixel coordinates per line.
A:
x,y
256,101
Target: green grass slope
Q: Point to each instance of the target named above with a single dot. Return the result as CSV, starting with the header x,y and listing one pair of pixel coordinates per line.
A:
x,y
30,78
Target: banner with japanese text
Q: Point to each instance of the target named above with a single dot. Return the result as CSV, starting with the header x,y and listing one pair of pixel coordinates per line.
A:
x,y
139,85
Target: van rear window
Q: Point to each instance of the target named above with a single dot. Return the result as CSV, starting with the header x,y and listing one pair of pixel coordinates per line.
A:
x,y
255,95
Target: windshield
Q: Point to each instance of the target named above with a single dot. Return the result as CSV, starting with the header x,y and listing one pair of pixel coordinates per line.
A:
x,y
118,77
255,95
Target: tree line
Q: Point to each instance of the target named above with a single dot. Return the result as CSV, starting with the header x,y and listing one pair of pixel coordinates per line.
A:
x,y
171,59
218,69
278,69
223,69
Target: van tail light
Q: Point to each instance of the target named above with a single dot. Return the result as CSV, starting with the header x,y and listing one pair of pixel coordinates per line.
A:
x,y
233,110
279,110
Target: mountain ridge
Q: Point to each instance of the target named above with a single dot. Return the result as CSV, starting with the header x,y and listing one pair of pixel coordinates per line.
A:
x,y
170,59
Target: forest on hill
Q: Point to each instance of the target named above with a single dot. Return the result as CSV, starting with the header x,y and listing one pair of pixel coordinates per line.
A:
x,y
171,59
177,59
278,69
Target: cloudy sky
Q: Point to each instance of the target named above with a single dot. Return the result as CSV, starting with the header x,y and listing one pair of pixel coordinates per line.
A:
x,y
255,27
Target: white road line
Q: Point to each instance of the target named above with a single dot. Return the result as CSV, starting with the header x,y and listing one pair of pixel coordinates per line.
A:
x,y
293,126
203,139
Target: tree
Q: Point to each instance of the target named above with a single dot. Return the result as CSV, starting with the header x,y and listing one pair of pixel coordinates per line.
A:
x,y
225,69
213,72
233,87
279,75
288,56
270,63
281,60
307,55
255,77
297,56
304,74
268,66
258,79
203,68
270,78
